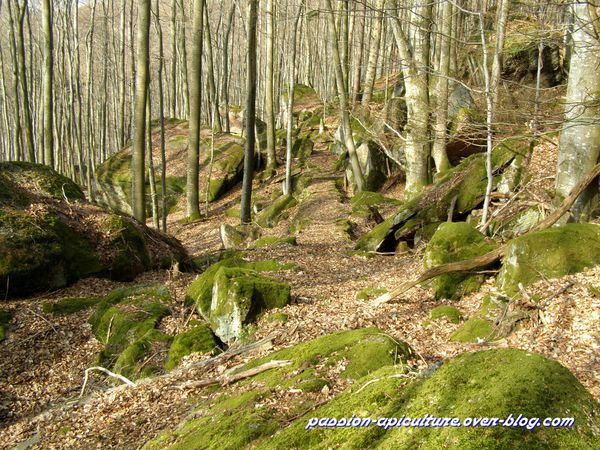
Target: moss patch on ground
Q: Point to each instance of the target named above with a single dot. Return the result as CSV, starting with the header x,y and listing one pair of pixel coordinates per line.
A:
x,y
369,293
550,253
70,305
125,322
446,312
494,384
199,338
245,420
455,242
481,327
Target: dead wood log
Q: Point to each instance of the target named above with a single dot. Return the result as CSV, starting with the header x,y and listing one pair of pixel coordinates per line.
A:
x,y
488,258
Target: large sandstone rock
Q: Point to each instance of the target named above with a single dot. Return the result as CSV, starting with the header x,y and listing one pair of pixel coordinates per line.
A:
x,y
49,237
238,297
455,241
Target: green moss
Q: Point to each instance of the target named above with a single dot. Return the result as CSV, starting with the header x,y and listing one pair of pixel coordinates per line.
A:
x,y
198,339
20,181
594,291
550,253
446,312
40,252
269,217
125,322
200,291
494,384
233,212
482,325
474,330
372,240
239,296
365,199
70,305
277,317
274,241
130,255
227,169
368,293
245,420
455,242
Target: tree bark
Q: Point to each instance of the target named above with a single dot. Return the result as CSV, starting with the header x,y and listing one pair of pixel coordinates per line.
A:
x,y
245,209
141,91
579,147
195,84
373,54
48,83
269,81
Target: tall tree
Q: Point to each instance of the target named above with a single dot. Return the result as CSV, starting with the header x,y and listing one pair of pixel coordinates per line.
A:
x,y
195,85
141,92
245,207
373,53
579,147
48,83
269,85
359,179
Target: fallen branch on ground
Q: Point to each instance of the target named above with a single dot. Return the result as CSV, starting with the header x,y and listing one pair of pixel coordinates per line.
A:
x,y
127,381
229,379
489,258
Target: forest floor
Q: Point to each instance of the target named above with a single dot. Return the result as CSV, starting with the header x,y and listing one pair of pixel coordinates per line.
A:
x,y
44,358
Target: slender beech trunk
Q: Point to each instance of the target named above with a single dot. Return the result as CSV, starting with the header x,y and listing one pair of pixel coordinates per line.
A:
x,y
48,83
210,72
141,91
359,179
226,75
26,103
269,81
441,120
356,85
245,207
195,85
161,118
290,107
373,54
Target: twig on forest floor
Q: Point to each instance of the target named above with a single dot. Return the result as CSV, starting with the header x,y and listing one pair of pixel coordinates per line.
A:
x,y
125,380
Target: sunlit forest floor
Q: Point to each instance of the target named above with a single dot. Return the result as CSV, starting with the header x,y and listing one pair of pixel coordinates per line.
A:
x,y
43,363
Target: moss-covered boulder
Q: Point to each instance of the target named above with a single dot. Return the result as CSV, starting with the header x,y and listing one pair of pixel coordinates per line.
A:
x,y
201,289
455,242
483,325
198,339
227,167
550,253
70,305
126,323
245,420
49,237
23,183
372,162
462,187
270,216
239,296
517,389
363,203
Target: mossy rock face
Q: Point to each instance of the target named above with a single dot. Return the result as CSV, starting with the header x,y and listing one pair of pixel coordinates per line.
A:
x,y
455,242
464,186
363,201
125,322
199,338
482,326
498,384
243,420
227,169
446,312
372,161
270,216
70,305
550,253
200,291
41,252
20,182
5,318
239,296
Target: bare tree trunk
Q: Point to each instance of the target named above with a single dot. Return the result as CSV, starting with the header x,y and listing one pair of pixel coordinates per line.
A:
x,y
441,124
373,54
141,91
193,157
161,118
504,6
356,96
226,75
290,107
17,136
245,207
48,83
269,80
210,72
359,179
151,172
579,148
173,58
